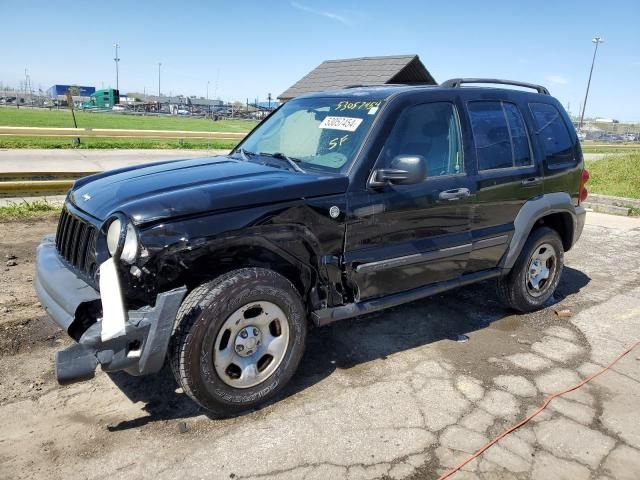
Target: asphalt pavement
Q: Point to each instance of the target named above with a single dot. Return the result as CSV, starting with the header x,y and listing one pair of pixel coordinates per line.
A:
x,y
81,160
403,393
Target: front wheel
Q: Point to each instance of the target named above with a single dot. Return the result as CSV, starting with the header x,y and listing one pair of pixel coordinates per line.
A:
x,y
238,340
536,273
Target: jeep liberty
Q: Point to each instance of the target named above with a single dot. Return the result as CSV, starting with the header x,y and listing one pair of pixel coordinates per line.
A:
x,y
338,204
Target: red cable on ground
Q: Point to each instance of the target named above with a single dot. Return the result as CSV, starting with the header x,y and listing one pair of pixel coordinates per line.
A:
x,y
544,405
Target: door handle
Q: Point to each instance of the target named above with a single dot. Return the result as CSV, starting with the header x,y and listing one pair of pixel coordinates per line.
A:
x,y
531,181
455,194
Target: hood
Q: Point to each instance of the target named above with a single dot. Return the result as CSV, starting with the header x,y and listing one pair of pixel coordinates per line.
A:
x,y
152,192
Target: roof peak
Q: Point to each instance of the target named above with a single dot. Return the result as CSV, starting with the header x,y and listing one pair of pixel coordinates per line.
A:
x,y
380,57
340,73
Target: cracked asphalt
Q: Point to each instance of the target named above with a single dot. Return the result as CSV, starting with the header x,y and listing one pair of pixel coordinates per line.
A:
x,y
392,395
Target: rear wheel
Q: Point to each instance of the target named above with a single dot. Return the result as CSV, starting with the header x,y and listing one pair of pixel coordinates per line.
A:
x,y
238,340
536,273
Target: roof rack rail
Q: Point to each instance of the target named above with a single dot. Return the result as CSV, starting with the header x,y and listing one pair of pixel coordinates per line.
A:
x,y
457,83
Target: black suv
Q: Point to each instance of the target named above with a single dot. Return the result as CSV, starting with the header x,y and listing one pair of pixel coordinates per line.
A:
x,y
338,204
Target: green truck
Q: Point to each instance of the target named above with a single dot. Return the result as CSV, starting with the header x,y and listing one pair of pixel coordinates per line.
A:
x,y
103,99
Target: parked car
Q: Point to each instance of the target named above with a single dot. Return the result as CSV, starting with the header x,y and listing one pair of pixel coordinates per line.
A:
x,y
337,205
121,108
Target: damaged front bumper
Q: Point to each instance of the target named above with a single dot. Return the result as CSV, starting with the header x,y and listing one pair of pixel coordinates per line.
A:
x,y
140,348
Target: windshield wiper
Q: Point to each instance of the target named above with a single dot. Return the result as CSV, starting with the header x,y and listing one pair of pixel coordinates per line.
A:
x,y
244,154
293,162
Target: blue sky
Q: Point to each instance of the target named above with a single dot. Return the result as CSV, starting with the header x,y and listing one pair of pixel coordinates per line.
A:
x,y
256,47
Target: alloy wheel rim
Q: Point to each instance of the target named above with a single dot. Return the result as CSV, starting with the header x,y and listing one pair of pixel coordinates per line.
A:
x,y
251,344
541,270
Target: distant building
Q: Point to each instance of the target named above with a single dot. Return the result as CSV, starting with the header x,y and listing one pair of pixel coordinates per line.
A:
x,y
606,120
82,91
186,101
336,74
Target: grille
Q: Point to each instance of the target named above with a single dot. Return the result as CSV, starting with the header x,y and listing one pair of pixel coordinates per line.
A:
x,y
75,242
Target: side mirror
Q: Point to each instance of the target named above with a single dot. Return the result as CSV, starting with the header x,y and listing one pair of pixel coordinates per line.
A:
x,y
405,170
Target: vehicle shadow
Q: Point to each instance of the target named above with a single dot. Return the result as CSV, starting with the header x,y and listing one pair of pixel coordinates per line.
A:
x,y
346,344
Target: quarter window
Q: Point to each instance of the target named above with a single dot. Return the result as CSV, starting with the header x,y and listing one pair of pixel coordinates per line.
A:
x,y
553,132
431,130
500,135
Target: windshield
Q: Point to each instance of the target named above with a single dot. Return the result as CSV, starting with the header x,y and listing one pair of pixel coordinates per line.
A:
x,y
320,133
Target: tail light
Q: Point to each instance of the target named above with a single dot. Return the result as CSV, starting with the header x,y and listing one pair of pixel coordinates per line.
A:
x,y
583,181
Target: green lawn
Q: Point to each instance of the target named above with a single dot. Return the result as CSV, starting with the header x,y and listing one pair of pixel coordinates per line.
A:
x,y
612,148
25,209
618,175
102,143
24,117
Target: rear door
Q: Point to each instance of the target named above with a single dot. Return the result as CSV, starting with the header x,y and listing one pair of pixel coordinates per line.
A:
x,y
507,174
400,237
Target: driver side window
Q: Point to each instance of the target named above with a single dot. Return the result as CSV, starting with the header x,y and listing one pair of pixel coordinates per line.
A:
x,y
432,131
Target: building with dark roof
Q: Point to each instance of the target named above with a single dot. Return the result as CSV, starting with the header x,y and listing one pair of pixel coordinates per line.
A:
x,y
82,91
335,74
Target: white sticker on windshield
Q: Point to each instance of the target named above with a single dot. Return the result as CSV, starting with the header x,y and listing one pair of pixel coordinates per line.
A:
x,y
373,110
348,124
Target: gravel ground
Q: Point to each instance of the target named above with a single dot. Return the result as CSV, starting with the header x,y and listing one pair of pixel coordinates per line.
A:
x,y
390,395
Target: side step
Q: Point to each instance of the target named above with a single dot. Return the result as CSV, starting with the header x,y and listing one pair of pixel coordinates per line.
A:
x,y
333,314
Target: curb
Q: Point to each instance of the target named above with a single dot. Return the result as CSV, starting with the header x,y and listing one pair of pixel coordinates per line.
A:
x,y
622,206
31,188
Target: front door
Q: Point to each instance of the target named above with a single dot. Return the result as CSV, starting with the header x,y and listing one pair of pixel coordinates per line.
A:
x,y
400,237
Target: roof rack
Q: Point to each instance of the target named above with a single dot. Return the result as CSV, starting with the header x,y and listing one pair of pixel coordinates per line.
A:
x,y
457,83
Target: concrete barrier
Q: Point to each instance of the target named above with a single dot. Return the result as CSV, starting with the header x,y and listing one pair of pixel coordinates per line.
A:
x,y
613,205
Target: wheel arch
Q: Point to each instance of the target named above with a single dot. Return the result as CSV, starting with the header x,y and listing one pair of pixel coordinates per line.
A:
x,y
554,210
293,257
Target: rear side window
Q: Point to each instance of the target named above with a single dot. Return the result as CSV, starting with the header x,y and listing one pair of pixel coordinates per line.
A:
x,y
553,132
500,135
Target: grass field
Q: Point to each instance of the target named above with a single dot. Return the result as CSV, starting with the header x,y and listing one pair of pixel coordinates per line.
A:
x,y
103,143
28,209
610,148
23,117
617,175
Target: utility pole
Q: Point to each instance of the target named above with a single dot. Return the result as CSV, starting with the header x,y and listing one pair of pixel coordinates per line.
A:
x,y
597,41
117,60
159,65
208,106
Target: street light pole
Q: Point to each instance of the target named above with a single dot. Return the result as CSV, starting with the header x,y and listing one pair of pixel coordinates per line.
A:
x,y
159,65
208,106
597,41
116,59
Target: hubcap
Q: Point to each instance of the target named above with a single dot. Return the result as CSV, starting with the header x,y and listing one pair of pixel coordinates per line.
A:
x,y
247,341
542,268
251,344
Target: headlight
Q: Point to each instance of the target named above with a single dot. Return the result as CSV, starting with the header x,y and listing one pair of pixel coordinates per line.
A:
x,y
130,247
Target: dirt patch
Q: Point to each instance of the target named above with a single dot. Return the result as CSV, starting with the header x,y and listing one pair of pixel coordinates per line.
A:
x,y
18,302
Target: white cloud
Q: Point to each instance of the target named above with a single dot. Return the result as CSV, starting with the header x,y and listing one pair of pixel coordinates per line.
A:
x,y
557,79
330,15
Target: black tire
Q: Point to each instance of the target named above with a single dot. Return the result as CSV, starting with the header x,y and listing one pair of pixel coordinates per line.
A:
x,y
199,321
514,289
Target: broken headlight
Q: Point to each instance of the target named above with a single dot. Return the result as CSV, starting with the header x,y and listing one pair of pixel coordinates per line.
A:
x,y
122,239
